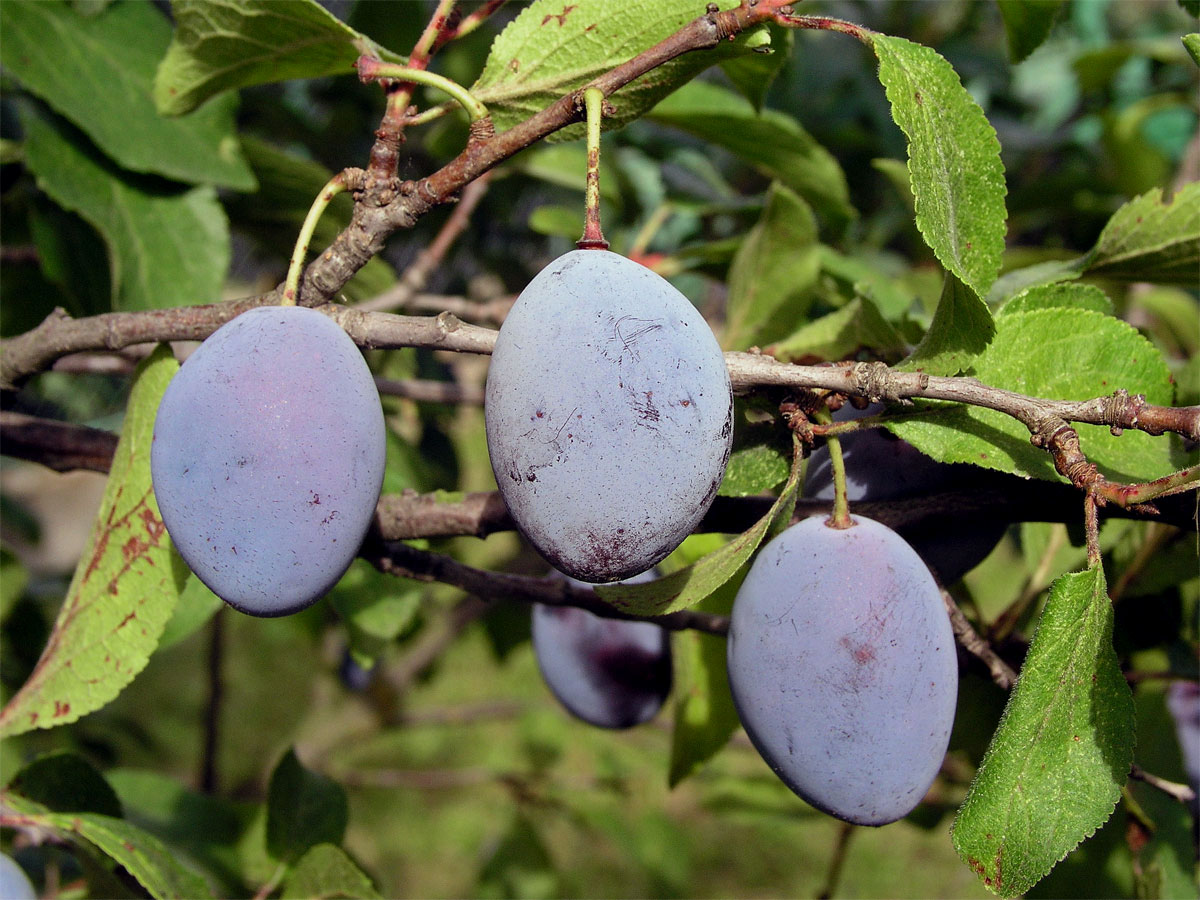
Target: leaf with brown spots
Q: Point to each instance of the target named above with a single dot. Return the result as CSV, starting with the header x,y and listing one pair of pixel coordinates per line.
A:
x,y
125,586
156,867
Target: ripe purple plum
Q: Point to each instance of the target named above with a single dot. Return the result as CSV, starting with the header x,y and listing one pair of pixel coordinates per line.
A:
x,y
14,883
268,458
843,668
881,466
609,415
612,673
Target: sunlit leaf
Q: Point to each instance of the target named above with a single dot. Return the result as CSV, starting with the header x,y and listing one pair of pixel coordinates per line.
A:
x,y
1055,768
222,45
124,589
953,160
553,48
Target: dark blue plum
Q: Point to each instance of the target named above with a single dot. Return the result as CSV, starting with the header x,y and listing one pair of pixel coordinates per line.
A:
x,y
268,458
843,668
880,466
612,673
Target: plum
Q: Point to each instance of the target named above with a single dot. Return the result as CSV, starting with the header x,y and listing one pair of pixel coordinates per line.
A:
x,y
268,458
843,668
613,673
14,883
609,415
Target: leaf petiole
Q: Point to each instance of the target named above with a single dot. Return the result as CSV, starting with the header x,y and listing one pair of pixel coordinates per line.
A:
x,y
371,68
291,288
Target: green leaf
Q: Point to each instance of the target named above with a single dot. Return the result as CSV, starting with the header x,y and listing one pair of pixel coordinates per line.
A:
x,y
124,588
1191,43
166,247
760,461
1079,296
72,256
327,871
754,73
519,865
376,608
556,220
196,607
98,71
961,328
204,828
705,717
869,276
146,858
223,45
773,142
1060,353
553,48
841,334
304,808
690,585
1027,24
772,276
13,579
953,160
66,782
1055,767
1148,239
1145,240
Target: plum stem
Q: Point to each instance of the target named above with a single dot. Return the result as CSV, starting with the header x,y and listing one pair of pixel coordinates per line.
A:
x,y
291,287
593,237
840,517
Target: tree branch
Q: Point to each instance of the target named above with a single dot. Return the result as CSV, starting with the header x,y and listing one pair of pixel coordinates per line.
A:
x,y
421,565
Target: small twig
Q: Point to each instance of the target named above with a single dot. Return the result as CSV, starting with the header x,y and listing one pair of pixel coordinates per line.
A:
x,y
209,780
416,779
398,299
1157,537
1091,528
968,638
426,391
385,152
837,861
468,23
408,562
1181,792
429,647
271,884
61,446
1037,582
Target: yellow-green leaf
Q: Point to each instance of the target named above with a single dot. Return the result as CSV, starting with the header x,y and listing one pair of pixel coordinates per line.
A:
x,y
553,48
156,867
124,589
